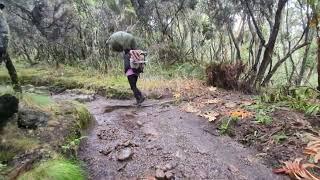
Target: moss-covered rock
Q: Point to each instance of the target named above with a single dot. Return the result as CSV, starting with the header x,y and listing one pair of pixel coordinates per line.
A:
x,y
9,105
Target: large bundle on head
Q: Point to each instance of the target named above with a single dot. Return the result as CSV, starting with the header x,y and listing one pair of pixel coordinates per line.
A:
x,y
121,41
4,28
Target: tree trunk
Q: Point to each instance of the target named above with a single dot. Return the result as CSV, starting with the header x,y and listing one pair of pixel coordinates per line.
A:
x,y
309,36
236,44
139,7
267,57
318,63
311,69
12,72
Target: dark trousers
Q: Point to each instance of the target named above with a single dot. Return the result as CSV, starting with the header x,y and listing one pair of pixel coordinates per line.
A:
x,y
133,85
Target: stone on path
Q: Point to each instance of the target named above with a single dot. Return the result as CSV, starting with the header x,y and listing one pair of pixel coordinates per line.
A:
x,y
160,174
124,154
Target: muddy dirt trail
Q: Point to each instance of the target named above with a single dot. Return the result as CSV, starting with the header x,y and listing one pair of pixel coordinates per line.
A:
x,y
161,141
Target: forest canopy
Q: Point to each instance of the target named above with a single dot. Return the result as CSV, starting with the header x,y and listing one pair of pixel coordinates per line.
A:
x,y
274,39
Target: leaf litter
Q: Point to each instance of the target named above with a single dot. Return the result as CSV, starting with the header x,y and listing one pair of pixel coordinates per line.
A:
x,y
215,104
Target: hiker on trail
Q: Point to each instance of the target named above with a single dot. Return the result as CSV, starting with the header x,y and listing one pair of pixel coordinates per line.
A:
x,y
133,59
4,56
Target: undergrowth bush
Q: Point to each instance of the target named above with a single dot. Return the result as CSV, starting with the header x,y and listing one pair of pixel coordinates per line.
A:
x,y
225,75
300,98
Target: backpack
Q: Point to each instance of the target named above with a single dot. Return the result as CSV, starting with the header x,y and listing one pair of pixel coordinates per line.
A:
x,y
137,65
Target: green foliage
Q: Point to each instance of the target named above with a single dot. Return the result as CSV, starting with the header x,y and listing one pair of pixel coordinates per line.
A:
x,y
280,137
71,148
2,167
7,155
188,70
302,99
261,112
262,118
55,170
225,124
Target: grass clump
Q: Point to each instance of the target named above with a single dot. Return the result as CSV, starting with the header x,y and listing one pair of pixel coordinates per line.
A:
x,y
55,170
82,115
37,100
6,90
14,142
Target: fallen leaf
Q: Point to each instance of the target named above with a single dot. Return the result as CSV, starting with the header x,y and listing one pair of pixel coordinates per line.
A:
x,y
297,170
213,101
230,105
190,108
240,113
313,150
247,103
177,95
210,115
212,89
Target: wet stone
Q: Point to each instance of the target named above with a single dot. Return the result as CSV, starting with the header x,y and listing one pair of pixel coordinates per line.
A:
x,y
124,154
169,175
139,123
161,167
105,152
85,98
168,167
160,174
127,143
203,174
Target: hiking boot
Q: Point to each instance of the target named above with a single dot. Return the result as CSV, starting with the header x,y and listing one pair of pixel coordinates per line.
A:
x,y
140,100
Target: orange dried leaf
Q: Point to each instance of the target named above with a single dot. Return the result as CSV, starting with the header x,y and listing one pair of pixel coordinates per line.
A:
x,y
297,170
240,113
313,149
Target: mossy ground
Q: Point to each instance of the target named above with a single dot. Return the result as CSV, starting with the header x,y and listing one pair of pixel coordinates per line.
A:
x,y
55,169
65,124
69,78
114,84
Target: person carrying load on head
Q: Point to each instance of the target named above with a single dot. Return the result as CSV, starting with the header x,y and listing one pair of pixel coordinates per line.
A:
x,y
134,59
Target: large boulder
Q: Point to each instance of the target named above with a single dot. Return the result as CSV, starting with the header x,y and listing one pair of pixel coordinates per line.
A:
x,y
31,119
120,41
9,105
